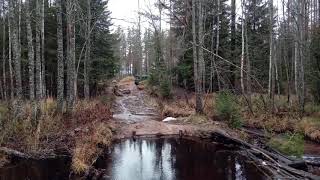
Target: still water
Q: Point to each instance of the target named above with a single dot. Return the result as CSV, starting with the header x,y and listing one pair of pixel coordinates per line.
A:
x,y
174,159
146,159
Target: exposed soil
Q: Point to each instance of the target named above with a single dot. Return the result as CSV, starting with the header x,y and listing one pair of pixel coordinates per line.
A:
x,y
136,113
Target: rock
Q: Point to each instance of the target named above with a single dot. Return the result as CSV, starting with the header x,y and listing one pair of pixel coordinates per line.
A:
x,y
168,119
86,130
125,91
77,130
140,87
114,82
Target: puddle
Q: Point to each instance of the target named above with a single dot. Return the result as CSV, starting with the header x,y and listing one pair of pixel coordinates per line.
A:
x,y
174,159
132,109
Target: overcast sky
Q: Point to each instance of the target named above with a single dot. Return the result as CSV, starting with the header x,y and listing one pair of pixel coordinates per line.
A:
x,y
125,12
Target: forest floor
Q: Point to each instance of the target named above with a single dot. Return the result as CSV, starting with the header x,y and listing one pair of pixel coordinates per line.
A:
x,y
96,123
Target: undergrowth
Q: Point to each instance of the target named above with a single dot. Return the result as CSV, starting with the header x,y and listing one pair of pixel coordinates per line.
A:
x,y
290,144
227,109
90,146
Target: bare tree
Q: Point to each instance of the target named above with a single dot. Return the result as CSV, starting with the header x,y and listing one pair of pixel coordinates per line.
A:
x,y
87,52
4,52
60,57
71,74
243,48
16,57
195,47
43,67
30,51
10,51
38,54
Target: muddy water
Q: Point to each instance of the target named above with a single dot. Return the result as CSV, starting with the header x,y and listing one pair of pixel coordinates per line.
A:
x,y
173,159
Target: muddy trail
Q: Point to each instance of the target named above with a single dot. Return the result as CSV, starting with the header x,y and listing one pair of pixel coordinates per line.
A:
x,y
135,111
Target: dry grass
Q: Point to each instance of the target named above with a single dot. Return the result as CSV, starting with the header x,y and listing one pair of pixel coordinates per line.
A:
x,y
87,147
176,109
310,126
197,119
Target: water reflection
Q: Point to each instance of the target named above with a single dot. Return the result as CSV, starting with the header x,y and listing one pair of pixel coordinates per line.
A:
x,y
174,159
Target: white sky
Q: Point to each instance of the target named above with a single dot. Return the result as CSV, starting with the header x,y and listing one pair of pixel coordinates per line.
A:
x,y
125,12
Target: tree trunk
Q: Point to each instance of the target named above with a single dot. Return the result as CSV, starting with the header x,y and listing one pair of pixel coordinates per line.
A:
x,y
270,93
71,85
233,40
242,49
87,54
30,51
201,61
10,51
60,57
217,45
43,66
195,47
249,88
17,59
38,54
4,54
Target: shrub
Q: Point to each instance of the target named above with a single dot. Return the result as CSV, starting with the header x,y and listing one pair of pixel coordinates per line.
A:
x,y
165,89
290,144
227,109
107,100
153,79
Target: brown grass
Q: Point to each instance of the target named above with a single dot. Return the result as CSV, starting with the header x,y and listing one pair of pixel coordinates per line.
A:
x,y
284,118
87,147
310,126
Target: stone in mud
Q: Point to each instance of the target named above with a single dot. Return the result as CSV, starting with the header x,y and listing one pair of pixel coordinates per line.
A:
x,y
140,87
125,91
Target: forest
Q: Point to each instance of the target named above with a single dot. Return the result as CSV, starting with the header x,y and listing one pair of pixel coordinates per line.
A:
x,y
240,73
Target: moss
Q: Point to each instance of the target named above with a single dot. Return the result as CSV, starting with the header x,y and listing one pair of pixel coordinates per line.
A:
x,y
290,144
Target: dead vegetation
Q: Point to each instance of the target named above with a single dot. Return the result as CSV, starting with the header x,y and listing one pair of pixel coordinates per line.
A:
x,y
284,118
81,133
89,146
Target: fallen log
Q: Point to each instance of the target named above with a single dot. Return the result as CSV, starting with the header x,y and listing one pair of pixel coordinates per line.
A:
x,y
14,153
280,164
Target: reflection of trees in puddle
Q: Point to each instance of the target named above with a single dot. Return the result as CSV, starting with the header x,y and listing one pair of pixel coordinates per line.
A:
x,y
177,159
